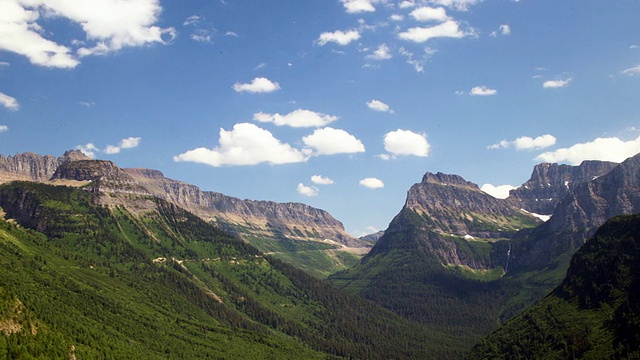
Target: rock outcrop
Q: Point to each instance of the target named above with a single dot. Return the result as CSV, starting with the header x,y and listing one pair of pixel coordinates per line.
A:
x,y
550,183
247,217
34,167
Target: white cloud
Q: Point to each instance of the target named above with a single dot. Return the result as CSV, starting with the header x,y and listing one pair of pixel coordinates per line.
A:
x,y
321,180
381,53
372,183
358,6
231,33
201,35
405,142
407,4
88,149
257,85
483,91
605,149
540,142
631,71
307,190
396,17
246,144
9,102
552,84
449,29
526,143
192,20
378,105
87,104
339,37
128,143
4,128
425,13
297,118
329,141
498,192
109,25
460,5
4,63
504,29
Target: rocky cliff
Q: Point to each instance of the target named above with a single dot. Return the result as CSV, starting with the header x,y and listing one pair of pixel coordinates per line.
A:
x,y
451,219
248,217
550,183
34,167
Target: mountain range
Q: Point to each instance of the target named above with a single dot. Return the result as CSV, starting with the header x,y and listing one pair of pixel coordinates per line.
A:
x,y
453,265
296,232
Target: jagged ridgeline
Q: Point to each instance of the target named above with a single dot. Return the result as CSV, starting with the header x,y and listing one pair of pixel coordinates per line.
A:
x,y
138,277
593,314
307,237
463,262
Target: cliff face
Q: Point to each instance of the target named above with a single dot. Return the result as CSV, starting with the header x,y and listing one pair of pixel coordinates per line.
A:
x,y
34,167
550,183
451,219
262,218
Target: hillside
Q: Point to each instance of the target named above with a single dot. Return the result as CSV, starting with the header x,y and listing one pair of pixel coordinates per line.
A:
x,y
593,314
142,278
307,237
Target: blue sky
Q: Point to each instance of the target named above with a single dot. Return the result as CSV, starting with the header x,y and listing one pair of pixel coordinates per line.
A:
x,y
340,104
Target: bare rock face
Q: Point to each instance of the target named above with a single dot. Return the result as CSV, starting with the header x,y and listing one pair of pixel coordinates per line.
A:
x,y
451,219
248,217
550,183
34,167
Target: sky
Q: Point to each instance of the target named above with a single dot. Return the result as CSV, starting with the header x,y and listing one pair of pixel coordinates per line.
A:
x,y
339,104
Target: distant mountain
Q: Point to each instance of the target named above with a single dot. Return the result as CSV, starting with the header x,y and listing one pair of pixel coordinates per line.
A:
x,y
593,314
137,277
300,234
372,237
550,183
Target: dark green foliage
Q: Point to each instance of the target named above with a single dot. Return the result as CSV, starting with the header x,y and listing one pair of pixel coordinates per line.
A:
x,y
594,313
102,282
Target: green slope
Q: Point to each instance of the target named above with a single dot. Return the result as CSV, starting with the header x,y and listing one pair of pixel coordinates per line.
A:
x,y
593,314
107,282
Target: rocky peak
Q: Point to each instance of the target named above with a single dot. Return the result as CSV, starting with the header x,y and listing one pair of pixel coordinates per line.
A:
x,y
550,183
446,179
33,167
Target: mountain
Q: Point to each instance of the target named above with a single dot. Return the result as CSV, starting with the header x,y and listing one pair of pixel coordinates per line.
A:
x,y
550,183
373,237
462,262
139,277
308,237
593,314
34,167
579,214
440,260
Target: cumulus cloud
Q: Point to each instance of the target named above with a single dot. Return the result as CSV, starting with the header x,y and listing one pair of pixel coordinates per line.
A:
x,y
109,25
339,37
246,144
631,71
378,105
257,85
88,149
128,143
307,190
329,141
297,118
381,53
482,91
527,143
499,192
552,84
4,128
425,14
407,4
9,102
605,149
449,28
372,183
358,6
321,180
405,142
396,17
